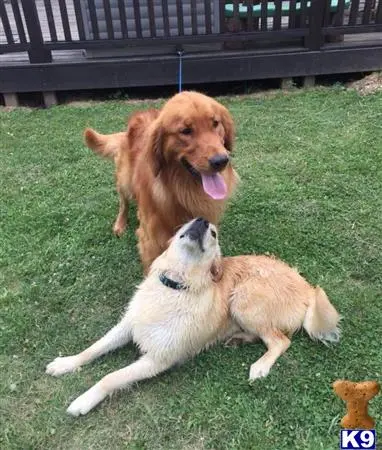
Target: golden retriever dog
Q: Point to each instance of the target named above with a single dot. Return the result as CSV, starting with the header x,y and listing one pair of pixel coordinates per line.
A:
x,y
175,162
180,309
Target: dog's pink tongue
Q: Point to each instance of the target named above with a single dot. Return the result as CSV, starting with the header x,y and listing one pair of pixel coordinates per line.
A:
x,y
214,185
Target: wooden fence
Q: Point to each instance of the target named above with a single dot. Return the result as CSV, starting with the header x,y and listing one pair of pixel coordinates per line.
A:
x,y
76,24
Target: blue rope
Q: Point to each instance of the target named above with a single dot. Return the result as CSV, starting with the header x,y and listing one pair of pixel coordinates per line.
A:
x,y
180,71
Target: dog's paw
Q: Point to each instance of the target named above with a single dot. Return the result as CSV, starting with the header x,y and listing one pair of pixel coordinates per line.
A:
x,y
258,370
119,227
86,402
62,365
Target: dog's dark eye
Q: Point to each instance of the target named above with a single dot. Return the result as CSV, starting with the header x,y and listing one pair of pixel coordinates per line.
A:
x,y
186,131
181,236
215,123
213,234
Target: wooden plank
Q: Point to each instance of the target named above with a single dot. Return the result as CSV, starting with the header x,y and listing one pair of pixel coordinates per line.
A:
x,y
264,15
166,22
137,18
38,52
65,20
18,21
208,16
6,24
8,49
151,12
223,23
249,4
367,12
21,58
327,12
378,16
353,12
179,15
194,18
315,39
339,15
304,13
51,24
292,14
122,18
236,14
79,19
108,19
93,19
277,17
357,29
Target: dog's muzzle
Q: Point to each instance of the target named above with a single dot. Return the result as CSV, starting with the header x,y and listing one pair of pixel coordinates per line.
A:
x,y
197,230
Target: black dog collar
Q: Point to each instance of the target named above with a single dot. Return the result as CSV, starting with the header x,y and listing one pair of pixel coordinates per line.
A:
x,y
171,283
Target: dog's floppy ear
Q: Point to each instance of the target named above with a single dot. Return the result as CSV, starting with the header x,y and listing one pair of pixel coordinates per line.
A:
x,y
229,128
217,269
155,143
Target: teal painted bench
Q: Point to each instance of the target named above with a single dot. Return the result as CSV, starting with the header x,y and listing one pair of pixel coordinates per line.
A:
x,y
271,9
234,25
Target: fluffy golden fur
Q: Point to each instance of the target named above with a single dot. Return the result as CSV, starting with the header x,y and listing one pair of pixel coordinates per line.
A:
x,y
255,297
162,159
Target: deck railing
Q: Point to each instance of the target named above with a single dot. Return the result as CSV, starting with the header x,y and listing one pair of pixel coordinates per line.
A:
x,y
40,26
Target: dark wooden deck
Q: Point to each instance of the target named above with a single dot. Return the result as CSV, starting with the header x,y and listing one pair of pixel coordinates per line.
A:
x,y
279,48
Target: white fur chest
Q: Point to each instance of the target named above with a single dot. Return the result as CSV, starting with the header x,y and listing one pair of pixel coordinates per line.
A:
x,y
172,324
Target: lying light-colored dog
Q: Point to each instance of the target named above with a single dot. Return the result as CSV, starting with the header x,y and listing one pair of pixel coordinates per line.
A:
x,y
192,298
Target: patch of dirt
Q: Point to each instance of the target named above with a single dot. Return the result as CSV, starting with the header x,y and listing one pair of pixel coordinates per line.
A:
x,y
367,85
14,108
89,103
82,104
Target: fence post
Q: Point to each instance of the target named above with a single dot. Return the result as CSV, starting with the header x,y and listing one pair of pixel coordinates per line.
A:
x,y
37,52
315,38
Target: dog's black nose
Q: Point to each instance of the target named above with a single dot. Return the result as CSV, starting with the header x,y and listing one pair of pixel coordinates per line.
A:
x,y
204,221
218,162
197,229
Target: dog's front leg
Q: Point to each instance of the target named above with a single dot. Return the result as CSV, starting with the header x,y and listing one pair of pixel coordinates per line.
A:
x,y
116,337
145,367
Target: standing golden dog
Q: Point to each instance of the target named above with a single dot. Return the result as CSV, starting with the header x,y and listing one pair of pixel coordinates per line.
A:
x,y
179,309
175,162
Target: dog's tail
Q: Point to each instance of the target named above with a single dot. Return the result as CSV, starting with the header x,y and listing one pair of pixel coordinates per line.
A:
x,y
321,319
107,145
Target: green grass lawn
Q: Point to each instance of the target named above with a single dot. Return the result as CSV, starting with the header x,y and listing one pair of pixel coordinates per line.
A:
x,y
311,193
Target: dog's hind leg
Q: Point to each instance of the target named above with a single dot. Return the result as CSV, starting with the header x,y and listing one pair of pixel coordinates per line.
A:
x,y
277,343
123,189
254,318
116,337
145,367
122,218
